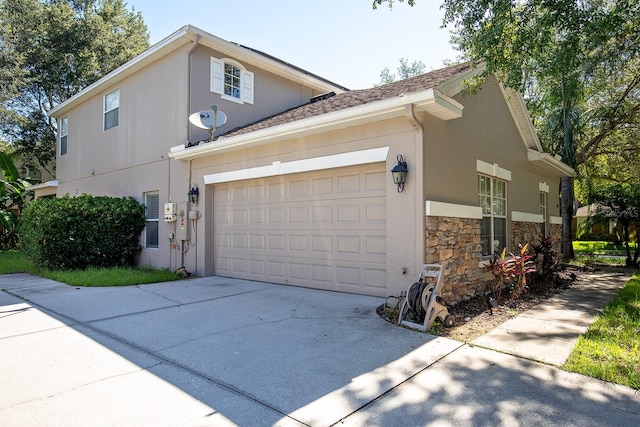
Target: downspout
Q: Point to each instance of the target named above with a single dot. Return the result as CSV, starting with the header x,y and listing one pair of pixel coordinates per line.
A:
x,y
195,42
193,45
409,113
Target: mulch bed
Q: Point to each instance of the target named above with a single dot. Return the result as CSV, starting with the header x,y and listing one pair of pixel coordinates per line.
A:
x,y
473,317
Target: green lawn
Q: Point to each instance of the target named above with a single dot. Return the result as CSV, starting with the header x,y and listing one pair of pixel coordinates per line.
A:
x,y
610,350
598,248
16,262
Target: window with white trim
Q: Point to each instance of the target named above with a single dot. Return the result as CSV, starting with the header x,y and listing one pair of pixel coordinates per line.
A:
x,y
543,212
64,131
111,108
231,80
152,219
492,195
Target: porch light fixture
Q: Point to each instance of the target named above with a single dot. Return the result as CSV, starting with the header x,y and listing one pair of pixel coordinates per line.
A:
x,y
399,173
194,195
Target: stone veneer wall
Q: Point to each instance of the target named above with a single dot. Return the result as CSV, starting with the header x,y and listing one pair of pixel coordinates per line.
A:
x,y
555,232
455,243
524,232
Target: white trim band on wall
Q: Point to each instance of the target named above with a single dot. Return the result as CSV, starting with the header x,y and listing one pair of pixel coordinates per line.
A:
x,y
451,210
526,217
544,187
352,158
556,220
493,170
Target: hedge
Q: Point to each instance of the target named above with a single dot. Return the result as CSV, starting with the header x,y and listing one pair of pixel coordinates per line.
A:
x,y
81,232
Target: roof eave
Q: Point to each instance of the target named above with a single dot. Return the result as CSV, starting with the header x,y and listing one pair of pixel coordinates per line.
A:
x,y
158,50
550,163
183,36
429,101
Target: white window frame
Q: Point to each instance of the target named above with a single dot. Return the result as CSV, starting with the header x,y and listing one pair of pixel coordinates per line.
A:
x,y
544,205
64,135
110,109
217,82
492,215
151,217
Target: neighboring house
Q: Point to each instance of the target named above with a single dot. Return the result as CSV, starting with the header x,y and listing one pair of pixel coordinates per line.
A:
x,y
296,187
604,227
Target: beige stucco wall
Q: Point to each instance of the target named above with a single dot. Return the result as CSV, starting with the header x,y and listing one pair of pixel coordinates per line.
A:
x,y
488,133
132,158
272,94
402,208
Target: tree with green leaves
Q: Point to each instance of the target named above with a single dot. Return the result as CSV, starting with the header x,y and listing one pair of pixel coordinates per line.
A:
x,y
577,63
620,202
12,191
376,3
49,51
404,71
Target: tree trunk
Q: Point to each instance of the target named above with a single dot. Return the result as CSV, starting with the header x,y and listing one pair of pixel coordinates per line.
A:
x,y
566,209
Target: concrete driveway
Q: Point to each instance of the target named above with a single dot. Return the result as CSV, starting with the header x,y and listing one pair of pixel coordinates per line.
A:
x,y
218,351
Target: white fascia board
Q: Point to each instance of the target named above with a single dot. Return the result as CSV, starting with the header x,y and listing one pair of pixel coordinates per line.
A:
x,y
184,35
520,114
556,220
367,113
150,55
526,217
245,55
362,157
550,163
48,184
452,210
455,85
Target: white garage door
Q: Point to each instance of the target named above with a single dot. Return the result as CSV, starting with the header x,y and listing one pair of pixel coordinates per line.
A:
x,y
323,230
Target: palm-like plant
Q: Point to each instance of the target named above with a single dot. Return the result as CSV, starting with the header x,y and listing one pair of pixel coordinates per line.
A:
x,y
12,190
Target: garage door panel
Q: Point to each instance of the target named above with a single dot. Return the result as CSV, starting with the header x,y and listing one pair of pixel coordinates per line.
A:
x,y
324,230
299,214
276,215
277,242
375,246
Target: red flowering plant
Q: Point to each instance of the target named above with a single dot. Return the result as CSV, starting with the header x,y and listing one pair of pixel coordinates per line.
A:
x,y
511,270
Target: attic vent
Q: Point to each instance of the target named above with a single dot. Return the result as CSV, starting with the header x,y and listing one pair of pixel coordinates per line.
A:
x,y
322,97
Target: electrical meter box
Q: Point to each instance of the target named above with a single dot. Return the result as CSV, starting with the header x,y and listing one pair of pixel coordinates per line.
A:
x,y
170,212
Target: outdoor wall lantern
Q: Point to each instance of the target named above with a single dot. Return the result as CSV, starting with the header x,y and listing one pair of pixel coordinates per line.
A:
x,y
399,173
194,195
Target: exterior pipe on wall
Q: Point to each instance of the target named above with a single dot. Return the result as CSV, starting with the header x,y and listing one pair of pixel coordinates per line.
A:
x,y
193,45
419,173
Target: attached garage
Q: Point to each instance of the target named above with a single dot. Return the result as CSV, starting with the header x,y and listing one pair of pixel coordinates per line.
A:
x,y
323,229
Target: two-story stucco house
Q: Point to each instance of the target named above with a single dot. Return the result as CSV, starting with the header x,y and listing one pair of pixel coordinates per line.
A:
x,y
295,187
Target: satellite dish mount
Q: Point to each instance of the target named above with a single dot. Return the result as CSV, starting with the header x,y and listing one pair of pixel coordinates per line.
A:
x,y
209,119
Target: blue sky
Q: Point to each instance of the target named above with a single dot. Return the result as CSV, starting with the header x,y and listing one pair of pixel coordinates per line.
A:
x,y
344,41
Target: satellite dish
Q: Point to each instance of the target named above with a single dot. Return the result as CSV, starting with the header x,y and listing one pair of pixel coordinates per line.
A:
x,y
204,119
209,119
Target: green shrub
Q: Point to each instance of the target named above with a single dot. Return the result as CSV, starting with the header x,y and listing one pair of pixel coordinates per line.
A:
x,y
81,232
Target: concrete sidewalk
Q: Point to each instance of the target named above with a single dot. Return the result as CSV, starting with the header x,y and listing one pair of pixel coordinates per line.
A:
x,y
548,332
216,351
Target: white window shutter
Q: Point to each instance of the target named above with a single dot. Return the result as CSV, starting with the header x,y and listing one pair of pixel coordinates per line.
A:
x,y
217,75
247,86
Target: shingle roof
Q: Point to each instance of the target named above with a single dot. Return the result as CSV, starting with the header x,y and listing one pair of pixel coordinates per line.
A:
x,y
355,98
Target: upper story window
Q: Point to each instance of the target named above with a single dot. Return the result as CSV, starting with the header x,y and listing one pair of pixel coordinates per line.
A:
x,y
64,130
231,80
111,107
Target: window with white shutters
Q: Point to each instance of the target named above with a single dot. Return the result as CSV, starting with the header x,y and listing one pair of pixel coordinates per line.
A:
x,y
231,80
